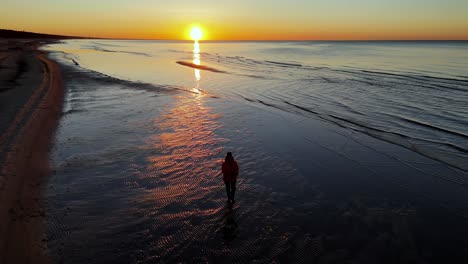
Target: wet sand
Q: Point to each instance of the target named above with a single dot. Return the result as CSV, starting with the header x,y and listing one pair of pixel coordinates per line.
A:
x,y
31,96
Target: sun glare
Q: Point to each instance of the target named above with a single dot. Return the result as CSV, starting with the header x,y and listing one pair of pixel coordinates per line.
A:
x,y
196,33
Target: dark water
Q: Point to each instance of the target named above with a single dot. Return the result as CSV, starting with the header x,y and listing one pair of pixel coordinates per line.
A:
x,y
138,153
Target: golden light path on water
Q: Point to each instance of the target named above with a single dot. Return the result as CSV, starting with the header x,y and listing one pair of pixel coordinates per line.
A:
x,y
186,170
196,61
187,161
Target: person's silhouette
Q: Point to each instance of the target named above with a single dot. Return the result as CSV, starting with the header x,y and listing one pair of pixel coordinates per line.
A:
x,y
230,171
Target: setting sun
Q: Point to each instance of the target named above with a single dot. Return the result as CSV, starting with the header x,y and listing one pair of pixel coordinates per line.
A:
x,y
196,33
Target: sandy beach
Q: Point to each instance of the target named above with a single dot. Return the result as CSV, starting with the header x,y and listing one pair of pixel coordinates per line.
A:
x,y
31,96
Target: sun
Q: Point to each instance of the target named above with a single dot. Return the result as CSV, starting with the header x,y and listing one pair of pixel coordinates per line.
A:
x,y
196,33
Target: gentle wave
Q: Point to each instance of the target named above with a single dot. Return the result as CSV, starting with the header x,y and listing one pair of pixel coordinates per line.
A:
x,y
284,64
429,111
97,48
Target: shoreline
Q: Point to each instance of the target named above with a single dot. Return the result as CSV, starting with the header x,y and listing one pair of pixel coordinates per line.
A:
x,y
25,161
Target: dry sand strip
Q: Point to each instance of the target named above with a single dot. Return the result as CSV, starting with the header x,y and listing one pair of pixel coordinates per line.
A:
x,y
27,140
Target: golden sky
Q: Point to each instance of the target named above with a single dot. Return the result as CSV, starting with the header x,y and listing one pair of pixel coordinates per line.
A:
x,y
242,19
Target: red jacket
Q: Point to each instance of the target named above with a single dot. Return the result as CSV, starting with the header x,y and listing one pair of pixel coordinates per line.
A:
x,y
230,170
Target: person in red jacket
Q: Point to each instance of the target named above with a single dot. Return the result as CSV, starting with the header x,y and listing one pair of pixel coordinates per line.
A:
x,y
230,172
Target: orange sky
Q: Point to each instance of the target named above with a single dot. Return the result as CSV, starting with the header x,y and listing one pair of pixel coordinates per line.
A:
x,y
243,20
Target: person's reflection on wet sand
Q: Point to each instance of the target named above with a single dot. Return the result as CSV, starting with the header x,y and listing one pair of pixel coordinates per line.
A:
x,y
230,228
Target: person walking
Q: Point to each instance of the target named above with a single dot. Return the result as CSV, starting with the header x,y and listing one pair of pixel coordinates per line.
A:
x,y
230,171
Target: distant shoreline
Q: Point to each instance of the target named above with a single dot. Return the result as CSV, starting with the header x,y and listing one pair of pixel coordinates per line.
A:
x,y
14,34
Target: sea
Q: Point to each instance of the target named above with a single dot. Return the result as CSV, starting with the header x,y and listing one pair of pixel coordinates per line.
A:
x,y
349,152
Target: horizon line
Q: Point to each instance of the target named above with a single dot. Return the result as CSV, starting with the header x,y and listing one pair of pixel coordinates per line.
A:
x,y
236,40
277,40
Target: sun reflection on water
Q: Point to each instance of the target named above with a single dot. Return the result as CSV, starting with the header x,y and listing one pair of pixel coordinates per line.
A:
x,y
185,166
186,149
196,61
184,174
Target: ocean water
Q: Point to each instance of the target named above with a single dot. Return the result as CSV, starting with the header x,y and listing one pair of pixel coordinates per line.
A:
x,y
349,151
411,93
